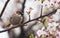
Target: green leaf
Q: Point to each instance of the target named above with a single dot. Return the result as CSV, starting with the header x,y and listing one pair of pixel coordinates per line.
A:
x,y
31,36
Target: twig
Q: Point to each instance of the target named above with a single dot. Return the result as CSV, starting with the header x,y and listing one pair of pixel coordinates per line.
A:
x,y
28,21
41,16
22,29
23,6
4,8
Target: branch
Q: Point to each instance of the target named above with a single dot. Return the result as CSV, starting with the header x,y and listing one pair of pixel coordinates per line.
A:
x,y
7,29
4,8
23,6
41,16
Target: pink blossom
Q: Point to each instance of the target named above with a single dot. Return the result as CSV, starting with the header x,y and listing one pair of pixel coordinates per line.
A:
x,y
58,34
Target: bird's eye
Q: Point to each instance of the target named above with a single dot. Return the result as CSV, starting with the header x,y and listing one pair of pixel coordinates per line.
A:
x,y
18,12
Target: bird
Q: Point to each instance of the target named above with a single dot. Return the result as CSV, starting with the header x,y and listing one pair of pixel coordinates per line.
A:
x,y
45,22
15,19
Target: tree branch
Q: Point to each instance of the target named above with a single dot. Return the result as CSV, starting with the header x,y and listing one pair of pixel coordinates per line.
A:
x,y
4,8
7,29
